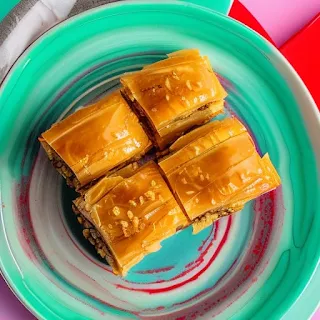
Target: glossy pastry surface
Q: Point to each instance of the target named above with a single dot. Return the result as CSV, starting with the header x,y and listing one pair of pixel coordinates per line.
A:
x,y
218,169
198,118
173,88
136,215
199,140
97,138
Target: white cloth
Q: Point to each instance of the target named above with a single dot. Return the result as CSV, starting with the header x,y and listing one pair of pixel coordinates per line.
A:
x,y
25,27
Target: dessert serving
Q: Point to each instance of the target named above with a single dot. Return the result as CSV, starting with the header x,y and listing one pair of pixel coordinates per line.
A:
x,y
95,140
216,171
129,215
173,95
200,171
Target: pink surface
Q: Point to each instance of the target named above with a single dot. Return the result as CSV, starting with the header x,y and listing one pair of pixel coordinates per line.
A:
x,y
10,306
281,19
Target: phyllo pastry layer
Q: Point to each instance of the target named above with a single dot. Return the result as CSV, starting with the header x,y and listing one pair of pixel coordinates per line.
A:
x,y
214,171
95,140
132,215
174,95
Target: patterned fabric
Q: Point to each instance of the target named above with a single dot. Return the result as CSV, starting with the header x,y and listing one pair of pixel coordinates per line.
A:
x,y
31,18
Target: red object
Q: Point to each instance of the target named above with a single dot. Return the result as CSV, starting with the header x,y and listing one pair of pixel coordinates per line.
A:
x,y
241,13
303,52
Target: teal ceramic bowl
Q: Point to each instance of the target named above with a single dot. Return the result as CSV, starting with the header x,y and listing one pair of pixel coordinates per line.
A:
x,y
257,264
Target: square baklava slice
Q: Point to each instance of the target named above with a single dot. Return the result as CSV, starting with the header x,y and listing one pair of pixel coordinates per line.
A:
x,y
95,140
215,170
174,95
130,214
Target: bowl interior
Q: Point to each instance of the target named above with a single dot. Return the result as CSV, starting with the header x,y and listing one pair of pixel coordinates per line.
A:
x,y
215,273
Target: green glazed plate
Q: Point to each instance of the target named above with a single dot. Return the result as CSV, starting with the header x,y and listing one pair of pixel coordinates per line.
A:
x,y
258,264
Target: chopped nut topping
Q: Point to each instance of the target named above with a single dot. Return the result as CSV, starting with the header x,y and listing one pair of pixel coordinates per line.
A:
x,y
184,180
197,149
189,85
167,83
86,233
197,200
188,103
150,195
142,226
132,203
154,109
199,84
110,226
167,97
141,199
213,202
207,176
161,198
80,220
87,224
201,177
127,232
124,223
91,240
175,76
99,244
135,166
116,211
130,214
199,170
183,98
214,216
94,233
135,223
153,183
102,253
189,192
153,90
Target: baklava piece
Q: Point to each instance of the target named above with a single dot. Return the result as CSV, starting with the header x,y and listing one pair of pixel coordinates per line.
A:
x,y
214,171
95,140
174,95
128,215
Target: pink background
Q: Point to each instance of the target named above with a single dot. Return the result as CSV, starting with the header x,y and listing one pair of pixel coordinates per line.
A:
x,y
281,19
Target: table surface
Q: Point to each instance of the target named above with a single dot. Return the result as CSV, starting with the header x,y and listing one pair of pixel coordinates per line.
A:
x,y
281,19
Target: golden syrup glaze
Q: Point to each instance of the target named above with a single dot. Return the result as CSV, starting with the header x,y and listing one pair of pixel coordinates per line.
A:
x,y
218,168
218,130
266,182
136,215
199,140
98,138
173,88
195,119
